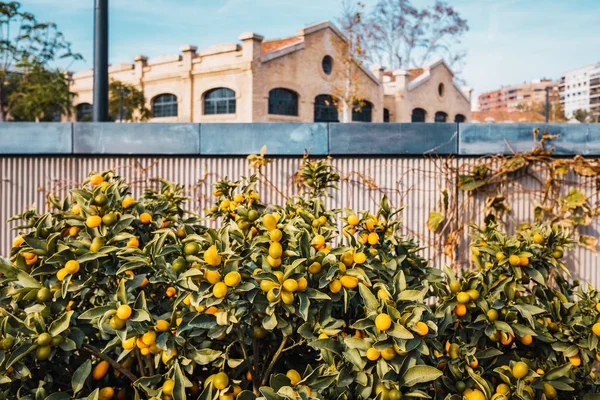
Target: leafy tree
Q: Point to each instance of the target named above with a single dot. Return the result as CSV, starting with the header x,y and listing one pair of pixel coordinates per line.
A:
x,y
134,102
581,115
40,95
556,110
27,49
401,36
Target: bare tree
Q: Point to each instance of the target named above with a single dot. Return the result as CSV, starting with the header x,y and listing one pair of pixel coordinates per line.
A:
x,y
401,36
352,27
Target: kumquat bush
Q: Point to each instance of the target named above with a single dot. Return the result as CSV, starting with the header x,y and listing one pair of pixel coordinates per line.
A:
x,y
111,297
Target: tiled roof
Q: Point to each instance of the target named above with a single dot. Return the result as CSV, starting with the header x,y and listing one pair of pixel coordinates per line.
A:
x,y
271,45
413,74
506,116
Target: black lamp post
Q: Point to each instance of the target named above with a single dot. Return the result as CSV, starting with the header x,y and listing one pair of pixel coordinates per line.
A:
x,y
100,105
548,88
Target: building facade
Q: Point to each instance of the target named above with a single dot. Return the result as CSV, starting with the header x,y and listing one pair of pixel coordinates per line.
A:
x,y
580,90
295,79
522,97
427,94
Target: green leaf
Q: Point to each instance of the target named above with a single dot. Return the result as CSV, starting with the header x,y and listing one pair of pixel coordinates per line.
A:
x,y
400,332
420,374
270,394
588,242
95,313
180,380
81,375
411,295
60,325
90,257
558,372
369,299
20,352
206,356
561,386
93,395
434,221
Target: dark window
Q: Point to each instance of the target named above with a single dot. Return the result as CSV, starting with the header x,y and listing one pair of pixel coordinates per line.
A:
x,y
219,101
441,89
164,105
327,64
283,102
325,109
84,112
386,115
418,115
362,112
441,116
459,118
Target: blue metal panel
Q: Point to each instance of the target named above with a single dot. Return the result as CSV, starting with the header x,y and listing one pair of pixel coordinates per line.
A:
x,y
35,138
144,138
400,139
479,139
288,138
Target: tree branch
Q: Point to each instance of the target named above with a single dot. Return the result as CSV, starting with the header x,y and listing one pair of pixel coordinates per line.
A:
x,y
96,352
274,360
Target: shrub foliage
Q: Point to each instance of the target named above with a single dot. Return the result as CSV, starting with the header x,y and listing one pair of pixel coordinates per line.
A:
x,y
113,297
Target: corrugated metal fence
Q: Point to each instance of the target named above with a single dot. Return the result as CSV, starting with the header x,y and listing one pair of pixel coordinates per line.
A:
x,y
413,182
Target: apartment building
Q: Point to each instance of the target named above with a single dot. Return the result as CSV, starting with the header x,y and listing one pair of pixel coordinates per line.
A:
x,y
580,90
524,96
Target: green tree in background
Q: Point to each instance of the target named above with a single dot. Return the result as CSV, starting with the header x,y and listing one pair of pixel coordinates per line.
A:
x,y
583,115
30,88
134,102
41,95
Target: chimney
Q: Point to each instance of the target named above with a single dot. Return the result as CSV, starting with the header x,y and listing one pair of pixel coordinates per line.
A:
x,y
401,80
377,70
140,63
189,52
468,92
251,45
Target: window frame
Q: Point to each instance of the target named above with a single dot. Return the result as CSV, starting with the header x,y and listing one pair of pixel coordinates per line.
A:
x,y
325,109
441,89
171,104
365,114
412,115
290,109
439,113
227,99
327,68
79,115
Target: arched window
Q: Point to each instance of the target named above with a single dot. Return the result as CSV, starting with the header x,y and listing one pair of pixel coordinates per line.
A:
x,y
441,116
386,115
362,111
164,105
84,112
283,102
418,115
219,101
325,109
459,118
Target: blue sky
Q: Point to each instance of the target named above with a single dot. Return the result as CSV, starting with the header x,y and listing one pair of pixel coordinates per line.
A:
x,y
509,41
